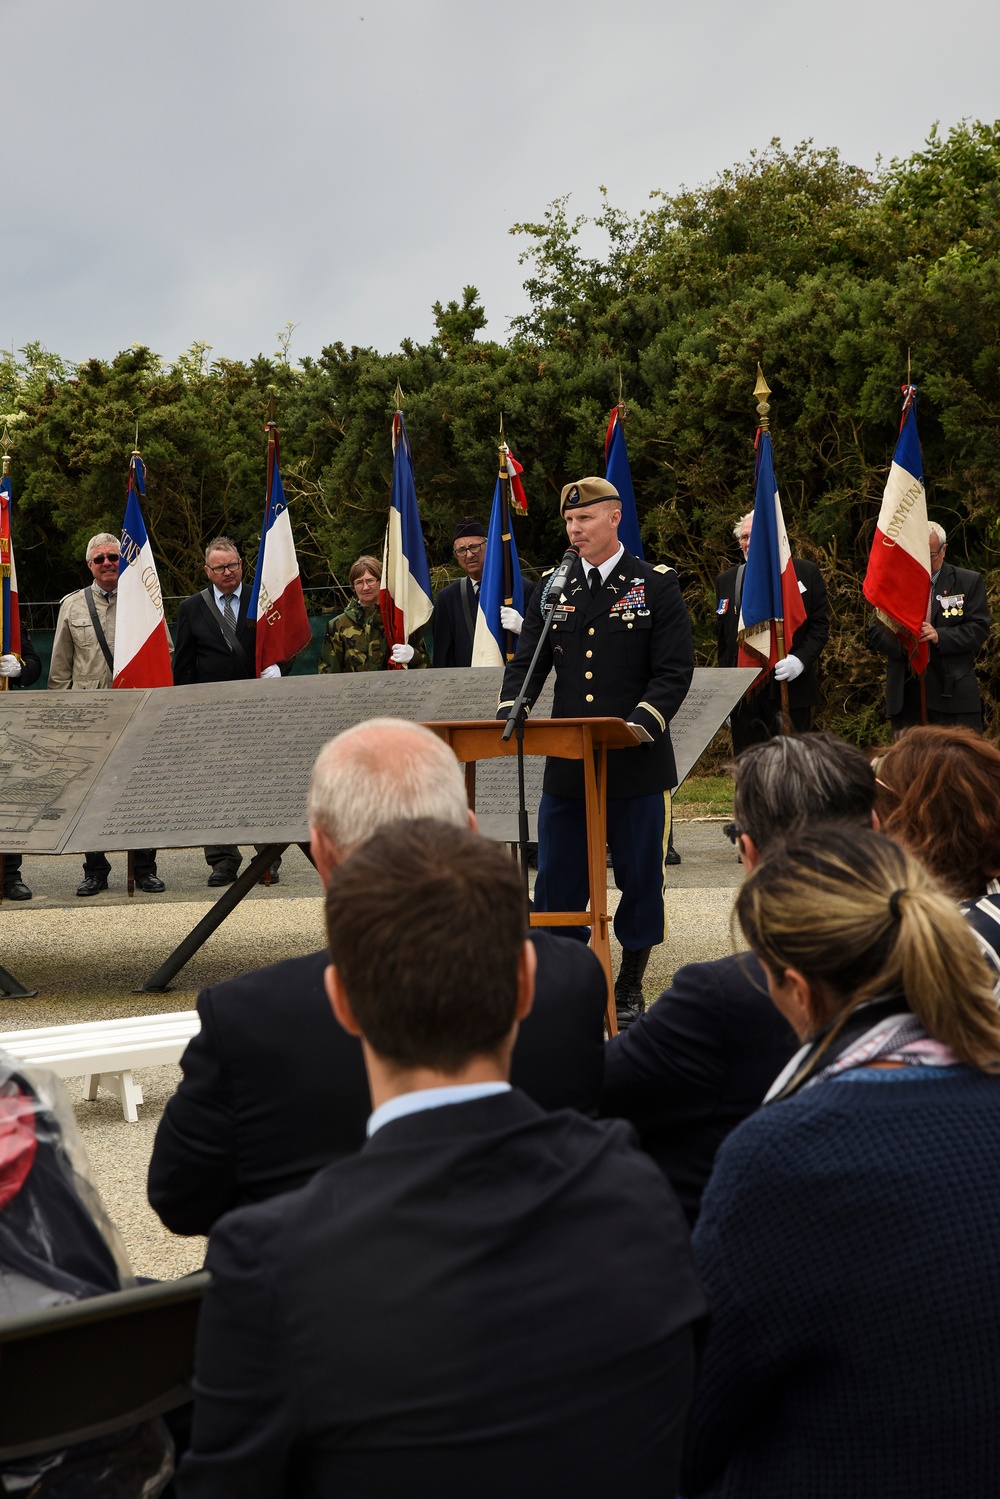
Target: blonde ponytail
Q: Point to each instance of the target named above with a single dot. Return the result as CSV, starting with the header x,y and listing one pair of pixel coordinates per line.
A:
x,y
861,919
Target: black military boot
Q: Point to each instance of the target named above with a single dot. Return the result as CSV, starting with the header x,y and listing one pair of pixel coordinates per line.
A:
x,y
629,998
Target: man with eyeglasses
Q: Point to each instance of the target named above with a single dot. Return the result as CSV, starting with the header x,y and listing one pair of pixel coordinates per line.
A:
x,y
457,605
957,624
216,643
83,656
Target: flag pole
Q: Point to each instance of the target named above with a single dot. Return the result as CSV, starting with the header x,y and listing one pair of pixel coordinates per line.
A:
x,y
508,568
4,642
762,390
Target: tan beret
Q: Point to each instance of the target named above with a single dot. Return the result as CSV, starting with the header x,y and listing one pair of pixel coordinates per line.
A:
x,y
586,492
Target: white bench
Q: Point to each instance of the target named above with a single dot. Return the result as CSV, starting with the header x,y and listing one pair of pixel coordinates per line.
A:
x,y
104,1052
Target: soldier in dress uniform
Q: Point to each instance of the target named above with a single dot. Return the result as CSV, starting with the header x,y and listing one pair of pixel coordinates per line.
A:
x,y
957,624
621,647
355,640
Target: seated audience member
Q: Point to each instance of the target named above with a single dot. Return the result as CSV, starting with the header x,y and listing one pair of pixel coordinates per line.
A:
x,y
434,1316
939,795
702,1057
849,1238
272,1087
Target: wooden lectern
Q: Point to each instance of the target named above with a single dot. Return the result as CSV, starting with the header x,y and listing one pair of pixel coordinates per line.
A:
x,y
586,739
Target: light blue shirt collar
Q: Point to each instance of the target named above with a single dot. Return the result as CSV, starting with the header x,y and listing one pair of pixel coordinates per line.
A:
x,y
234,596
430,1098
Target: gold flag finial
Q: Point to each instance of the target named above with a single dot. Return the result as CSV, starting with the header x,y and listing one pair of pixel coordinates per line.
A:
x,y
762,390
5,444
398,397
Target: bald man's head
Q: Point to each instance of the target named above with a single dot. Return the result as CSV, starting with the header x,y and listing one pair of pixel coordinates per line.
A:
x,y
385,770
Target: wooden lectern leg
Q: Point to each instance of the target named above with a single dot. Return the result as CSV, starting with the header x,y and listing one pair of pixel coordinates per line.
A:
x,y
595,793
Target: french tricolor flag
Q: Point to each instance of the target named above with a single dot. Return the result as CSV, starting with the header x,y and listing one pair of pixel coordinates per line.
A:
x,y
898,580
618,473
10,617
277,602
142,649
405,599
771,590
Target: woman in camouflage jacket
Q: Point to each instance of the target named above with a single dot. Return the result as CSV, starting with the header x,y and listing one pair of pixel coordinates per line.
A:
x,y
355,640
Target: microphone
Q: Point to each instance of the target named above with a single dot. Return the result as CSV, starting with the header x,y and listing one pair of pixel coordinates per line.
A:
x,y
561,576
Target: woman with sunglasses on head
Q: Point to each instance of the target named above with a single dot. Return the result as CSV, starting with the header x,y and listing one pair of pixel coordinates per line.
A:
x,y
849,1237
355,640
939,795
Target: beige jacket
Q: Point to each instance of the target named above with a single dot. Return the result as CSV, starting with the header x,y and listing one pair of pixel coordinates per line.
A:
x,y
77,659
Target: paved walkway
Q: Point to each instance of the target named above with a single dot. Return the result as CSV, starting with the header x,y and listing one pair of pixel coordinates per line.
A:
x,y
87,957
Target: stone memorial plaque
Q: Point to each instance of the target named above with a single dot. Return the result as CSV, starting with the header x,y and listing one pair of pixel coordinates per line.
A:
x,y
229,762
713,694
53,747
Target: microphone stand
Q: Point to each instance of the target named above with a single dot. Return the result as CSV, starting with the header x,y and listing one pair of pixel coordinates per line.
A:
x,y
515,725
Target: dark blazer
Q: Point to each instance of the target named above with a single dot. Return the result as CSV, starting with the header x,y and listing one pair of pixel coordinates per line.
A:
x,y
452,641
273,1089
696,1064
627,653
951,672
31,666
488,1300
807,642
201,651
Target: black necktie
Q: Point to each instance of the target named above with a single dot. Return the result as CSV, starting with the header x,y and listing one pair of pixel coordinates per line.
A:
x,y
595,581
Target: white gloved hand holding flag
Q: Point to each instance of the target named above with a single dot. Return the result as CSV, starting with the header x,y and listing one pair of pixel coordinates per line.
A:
x,y
788,669
511,620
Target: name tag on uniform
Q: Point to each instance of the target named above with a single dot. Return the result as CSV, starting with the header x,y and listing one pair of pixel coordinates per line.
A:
x,y
722,607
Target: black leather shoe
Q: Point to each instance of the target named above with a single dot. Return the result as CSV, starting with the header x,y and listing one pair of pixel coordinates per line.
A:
x,y
224,873
629,998
16,890
92,884
673,857
275,877
151,883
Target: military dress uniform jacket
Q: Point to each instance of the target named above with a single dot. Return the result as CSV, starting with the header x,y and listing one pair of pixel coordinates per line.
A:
x,y
961,616
807,642
627,653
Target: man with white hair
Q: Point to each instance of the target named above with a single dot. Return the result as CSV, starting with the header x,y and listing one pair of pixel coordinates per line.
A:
x,y
957,624
273,1089
83,659
758,715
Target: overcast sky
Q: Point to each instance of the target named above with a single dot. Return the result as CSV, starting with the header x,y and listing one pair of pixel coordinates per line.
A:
x,y
210,169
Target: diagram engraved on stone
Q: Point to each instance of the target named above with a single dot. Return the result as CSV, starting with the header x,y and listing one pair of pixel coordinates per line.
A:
x,y
52,750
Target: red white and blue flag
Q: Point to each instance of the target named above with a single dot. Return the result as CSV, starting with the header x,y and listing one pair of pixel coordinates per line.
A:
x,y
142,649
491,641
618,473
10,618
277,603
771,592
405,597
898,580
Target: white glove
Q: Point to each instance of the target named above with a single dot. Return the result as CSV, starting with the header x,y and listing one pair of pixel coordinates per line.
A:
x,y
402,655
10,666
271,671
510,619
788,670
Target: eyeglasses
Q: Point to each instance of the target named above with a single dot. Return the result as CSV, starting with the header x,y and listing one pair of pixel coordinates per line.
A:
x,y
100,557
733,833
470,550
225,567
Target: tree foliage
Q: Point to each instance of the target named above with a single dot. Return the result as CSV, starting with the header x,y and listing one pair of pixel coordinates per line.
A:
x,y
832,277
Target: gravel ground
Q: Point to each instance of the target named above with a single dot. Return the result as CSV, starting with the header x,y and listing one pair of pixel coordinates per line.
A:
x,y
87,957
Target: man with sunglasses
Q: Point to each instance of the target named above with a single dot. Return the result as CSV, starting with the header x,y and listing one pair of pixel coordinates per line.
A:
x,y
83,655
216,643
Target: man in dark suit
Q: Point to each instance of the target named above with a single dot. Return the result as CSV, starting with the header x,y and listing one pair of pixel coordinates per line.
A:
x,y
758,715
958,624
457,605
217,643
704,1055
435,1315
621,647
273,1089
